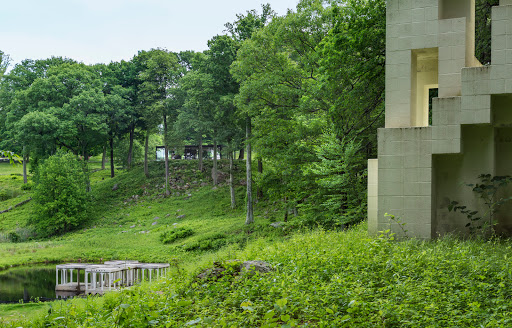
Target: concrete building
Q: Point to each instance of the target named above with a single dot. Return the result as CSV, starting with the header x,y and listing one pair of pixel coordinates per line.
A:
x,y
422,166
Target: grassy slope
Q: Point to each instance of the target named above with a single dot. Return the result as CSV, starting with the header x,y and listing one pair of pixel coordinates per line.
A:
x,y
117,220
121,227
322,279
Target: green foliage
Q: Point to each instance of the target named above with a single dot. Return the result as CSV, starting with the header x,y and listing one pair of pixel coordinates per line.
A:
x,y
170,236
324,279
27,186
483,30
60,195
13,237
11,156
341,183
8,193
488,190
307,77
212,241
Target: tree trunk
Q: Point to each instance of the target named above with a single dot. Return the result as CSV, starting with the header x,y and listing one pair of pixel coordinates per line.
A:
x,y
112,157
231,181
130,149
166,149
250,215
86,170
259,192
241,155
103,157
214,169
200,153
146,145
25,180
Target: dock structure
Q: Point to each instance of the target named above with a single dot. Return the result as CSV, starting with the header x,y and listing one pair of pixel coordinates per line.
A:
x,y
100,278
67,286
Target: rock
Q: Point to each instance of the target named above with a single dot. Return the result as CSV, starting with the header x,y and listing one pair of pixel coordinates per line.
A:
x,y
120,225
178,210
221,176
156,218
167,215
154,223
203,184
251,267
123,231
174,224
181,216
277,224
115,187
133,226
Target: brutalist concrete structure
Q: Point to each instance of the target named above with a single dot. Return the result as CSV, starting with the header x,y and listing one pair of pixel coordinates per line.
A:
x,y
422,166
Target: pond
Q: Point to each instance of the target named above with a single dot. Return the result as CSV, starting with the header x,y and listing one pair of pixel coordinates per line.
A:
x,y
27,283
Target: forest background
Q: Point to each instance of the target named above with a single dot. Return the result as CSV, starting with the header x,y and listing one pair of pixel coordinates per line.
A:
x,y
305,91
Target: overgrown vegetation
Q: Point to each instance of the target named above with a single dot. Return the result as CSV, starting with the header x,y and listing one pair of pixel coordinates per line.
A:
x,y
170,236
322,279
60,195
489,190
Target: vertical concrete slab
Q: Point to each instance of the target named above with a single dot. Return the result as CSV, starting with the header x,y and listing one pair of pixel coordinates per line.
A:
x,y
373,193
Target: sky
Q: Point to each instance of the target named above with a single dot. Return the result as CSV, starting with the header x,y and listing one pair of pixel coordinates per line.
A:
x,y
101,31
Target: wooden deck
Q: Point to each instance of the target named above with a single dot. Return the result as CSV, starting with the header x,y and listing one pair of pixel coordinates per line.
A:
x,y
101,278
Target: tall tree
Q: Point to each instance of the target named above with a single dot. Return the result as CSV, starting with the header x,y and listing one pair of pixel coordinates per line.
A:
x,y
160,74
242,30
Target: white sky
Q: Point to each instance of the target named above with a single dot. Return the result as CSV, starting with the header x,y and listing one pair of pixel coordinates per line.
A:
x,y
100,31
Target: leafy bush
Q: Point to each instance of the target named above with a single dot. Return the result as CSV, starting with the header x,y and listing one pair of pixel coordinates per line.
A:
x,y
60,195
169,237
487,190
6,194
209,242
27,186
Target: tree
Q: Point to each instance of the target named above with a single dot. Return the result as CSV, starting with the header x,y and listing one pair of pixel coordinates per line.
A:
x,y
241,31
160,74
60,195
15,103
304,76
4,63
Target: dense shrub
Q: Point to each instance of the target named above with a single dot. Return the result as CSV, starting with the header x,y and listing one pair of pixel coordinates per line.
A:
x,y
6,194
208,242
169,237
27,186
60,195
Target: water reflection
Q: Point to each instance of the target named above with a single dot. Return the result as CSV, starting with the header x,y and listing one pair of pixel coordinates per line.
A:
x,y
27,283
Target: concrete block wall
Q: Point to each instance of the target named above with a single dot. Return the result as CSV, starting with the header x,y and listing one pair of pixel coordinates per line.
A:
x,y
420,167
410,24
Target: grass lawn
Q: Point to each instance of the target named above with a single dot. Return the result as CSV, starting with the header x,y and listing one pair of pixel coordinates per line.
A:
x,y
7,169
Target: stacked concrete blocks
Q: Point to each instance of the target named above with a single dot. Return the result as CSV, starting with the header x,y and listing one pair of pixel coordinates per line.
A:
x,y
421,165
